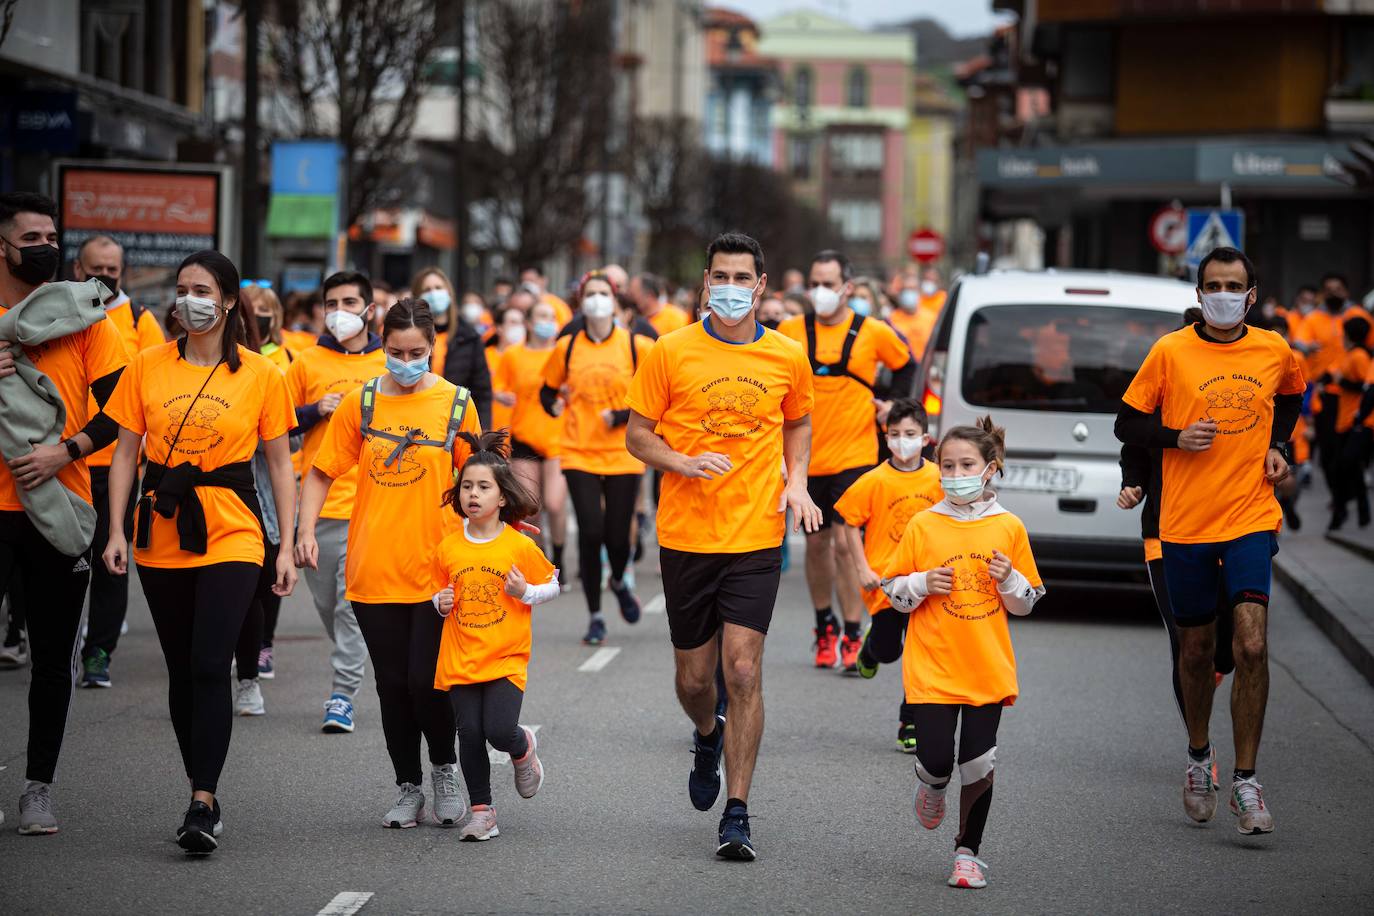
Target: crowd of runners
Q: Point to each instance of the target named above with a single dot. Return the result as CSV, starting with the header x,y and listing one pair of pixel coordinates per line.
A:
x,y
412,456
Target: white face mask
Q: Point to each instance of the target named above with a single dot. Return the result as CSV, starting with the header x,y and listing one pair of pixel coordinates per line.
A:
x,y
197,314
343,325
514,334
929,287
598,305
1224,310
825,299
471,312
904,447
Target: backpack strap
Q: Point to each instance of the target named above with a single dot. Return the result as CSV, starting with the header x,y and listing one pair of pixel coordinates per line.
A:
x,y
841,366
137,311
567,354
567,357
459,409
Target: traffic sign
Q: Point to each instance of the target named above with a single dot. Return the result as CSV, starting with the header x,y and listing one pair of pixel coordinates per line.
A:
x,y
926,245
1169,230
1211,228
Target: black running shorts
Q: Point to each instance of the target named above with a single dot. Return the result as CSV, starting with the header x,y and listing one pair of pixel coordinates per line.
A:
x,y
521,450
703,591
826,490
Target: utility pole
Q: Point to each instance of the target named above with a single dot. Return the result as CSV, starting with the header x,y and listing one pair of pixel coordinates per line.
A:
x,y
250,214
460,181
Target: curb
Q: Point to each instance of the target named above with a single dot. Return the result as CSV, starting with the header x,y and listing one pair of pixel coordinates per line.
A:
x,y
1317,602
1363,550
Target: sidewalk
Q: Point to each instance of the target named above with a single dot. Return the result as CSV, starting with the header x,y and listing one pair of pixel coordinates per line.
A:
x,y
1332,577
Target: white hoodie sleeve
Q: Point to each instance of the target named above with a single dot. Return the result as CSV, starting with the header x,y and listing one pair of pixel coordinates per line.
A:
x,y
1018,594
906,592
540,594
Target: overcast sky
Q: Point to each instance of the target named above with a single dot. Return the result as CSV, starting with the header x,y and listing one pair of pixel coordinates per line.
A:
x,y
960,17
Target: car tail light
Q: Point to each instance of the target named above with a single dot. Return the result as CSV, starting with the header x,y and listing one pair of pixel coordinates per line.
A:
x,y
932,403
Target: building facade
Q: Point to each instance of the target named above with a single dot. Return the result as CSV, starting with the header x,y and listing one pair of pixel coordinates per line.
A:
x,y
740,90
840,127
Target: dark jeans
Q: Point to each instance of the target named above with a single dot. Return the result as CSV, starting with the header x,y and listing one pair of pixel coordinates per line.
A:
x,y
487,713
54,593
109,593
199,613
403,641
605,507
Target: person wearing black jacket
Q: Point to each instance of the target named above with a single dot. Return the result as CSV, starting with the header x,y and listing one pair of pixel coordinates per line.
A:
x,y
465,364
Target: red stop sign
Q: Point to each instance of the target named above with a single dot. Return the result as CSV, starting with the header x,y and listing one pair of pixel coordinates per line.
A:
x,y
926,245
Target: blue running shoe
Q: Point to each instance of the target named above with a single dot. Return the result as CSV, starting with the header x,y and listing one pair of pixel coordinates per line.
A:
x,y
596,632
703,784
734,836
267,669
629,604
338,714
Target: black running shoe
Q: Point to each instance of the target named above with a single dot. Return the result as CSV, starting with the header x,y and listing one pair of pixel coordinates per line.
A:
x,y
703,783
629,604
198,831
735,842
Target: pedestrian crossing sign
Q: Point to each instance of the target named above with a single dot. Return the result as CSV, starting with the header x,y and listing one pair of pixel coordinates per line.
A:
x,y
1211,228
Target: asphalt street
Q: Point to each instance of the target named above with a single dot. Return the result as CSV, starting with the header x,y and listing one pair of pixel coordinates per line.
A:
x,y
1087,816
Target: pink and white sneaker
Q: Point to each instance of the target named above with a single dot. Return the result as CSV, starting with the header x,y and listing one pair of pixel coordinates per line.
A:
x,y
930,805
480,826
529,771
968,871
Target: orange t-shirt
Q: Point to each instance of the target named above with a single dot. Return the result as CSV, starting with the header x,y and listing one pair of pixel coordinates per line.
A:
x,y
668,319
440,353
843,430
397,514
278,355
299,341
916,325
1220,494
521,372
882,502
958,646
1354,365
156,397
562,312
72,362
136,338
1323,329
599,379
487,634
500,413
315,373
707,395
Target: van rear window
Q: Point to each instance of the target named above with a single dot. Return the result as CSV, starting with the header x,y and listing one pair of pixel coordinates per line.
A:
x,y
1058,357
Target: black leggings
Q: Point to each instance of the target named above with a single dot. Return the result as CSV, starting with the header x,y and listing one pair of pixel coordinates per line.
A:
x,y
198,613
886,637
54,593
487,713
1225,663
935,726
109,593
403,640
253,636
605,507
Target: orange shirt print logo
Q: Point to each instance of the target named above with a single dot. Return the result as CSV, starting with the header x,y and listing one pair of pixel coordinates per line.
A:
x,y
730,408
903,513
1232,406
197,425
479,605
974,595
404,470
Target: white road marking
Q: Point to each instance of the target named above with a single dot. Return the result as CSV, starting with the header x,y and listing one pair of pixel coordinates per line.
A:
x,y
656,605
600,658
346,903
498,758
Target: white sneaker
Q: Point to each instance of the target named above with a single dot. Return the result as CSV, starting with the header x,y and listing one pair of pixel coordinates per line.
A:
x,y
1200,787
1247,804
17,655
450,807
408,808
968,872
36,814
248,699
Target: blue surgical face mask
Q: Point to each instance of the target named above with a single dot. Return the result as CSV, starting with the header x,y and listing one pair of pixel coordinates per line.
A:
x,y
407,374
908,299
732,303
961,490
545,330
439,300
860,305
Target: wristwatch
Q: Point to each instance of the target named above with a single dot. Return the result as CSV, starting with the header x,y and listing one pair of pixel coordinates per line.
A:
x,y
73,449
1281,448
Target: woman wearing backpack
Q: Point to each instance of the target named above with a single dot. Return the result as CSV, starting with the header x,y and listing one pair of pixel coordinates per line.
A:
x,y
400,431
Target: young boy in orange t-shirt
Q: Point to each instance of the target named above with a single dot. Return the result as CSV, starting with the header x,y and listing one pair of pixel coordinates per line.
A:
x,y
490,576
960,568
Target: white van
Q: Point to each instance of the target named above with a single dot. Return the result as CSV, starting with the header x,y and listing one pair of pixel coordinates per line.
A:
x,y
1048,354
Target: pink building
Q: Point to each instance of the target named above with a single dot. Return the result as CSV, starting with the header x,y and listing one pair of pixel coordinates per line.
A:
x,y
840,126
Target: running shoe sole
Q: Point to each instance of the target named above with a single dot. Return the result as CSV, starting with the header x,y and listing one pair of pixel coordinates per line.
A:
x,y
404,825
736,852
93,683
482,837
36,830
336,728
197,842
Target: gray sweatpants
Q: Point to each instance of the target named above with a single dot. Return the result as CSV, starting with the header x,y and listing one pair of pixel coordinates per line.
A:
x,y
327,587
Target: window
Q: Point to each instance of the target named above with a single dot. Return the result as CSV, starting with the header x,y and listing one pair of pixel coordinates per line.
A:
x,y
1076,359
801,87
856,152
858,220
856,88
799,157
1087,64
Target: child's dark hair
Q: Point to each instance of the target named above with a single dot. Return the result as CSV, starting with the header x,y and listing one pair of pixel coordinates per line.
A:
x,y
904,408
409,313
1356,330
990,440
492,450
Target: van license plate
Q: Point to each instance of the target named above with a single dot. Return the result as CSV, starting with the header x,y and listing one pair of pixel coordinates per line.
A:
x,y
1040,478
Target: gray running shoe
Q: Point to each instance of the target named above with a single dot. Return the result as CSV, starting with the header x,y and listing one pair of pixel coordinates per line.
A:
x,y
450,807
36,814
481,825
1200,787
1247,804
248,699
529,772
408,808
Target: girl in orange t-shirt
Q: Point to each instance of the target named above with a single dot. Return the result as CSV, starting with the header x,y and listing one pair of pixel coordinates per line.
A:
x,y
960,567
204,403
489,576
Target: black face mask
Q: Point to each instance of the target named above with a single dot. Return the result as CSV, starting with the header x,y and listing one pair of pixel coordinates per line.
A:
x,y
37,263
771,324
1334,304
111,284
264,327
